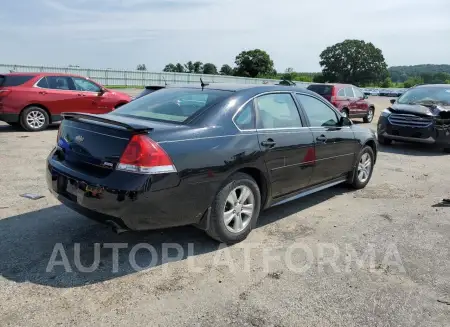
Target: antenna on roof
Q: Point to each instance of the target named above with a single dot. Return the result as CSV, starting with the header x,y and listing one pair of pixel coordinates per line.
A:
x,y
203,84
165,82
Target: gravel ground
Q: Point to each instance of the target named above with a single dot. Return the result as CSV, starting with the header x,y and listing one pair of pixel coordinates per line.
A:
x,y
404,280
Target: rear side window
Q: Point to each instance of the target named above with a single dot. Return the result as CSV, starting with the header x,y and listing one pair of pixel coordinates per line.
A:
x,y
172,104
43,83
277,111
349,92
245,119
60,83
321,89
14,80
341,93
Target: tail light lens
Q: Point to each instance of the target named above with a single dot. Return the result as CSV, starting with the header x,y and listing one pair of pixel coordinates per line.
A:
x,y
145,156
333,98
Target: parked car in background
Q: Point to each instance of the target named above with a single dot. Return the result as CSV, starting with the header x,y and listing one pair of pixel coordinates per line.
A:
x,y
35,100
157,163
421,115
348,99
148,89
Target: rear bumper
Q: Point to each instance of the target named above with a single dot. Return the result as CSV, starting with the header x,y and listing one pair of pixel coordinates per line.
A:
x,y
433,134
137,205
9,118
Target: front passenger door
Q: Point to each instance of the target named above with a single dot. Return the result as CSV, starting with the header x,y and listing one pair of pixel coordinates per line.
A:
x,y
335,145
93,101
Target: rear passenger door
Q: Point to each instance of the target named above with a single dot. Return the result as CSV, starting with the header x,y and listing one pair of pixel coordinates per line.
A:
x,y
287,143
352,101
362,104
58,94
335,145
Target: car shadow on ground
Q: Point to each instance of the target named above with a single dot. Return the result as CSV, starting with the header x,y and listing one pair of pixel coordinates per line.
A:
x,y
413,149
28,241
4,128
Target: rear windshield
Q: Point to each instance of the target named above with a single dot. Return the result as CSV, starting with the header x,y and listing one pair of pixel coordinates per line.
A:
x,y
14,80
172,105
321,89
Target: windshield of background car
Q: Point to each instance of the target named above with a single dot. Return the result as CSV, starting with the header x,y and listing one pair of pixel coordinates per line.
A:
x,y
321,89
172,105
426,94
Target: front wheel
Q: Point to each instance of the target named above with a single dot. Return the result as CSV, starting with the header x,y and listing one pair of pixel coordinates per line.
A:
x,y
363,171
34,119
235,210
369,116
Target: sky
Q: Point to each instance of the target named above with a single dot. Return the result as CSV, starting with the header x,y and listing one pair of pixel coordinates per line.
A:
x,y
123,33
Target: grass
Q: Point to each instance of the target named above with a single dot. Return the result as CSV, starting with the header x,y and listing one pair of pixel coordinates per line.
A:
x,y
124,86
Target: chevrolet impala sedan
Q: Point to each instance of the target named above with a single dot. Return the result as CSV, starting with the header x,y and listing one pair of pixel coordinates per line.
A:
x,y
209,155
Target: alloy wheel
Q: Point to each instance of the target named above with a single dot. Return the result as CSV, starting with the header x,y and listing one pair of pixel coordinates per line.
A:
x,y
370,115
239,209
35,119
364,167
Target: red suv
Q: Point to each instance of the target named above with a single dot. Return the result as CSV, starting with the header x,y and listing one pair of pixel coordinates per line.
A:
x,y
35,100
348,99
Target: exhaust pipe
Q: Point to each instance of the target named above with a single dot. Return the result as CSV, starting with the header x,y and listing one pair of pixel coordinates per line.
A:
x,y
116,227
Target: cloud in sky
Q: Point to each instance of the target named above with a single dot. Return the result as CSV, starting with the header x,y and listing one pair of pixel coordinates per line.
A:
x,y
123,33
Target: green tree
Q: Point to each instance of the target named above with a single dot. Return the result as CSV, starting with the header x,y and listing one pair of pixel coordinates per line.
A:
x,y
179,68
440,78
198,67
354,62
189,66
253,63
141,67
210,69
386,83
318,78
410,82
226,70
170,68
289,75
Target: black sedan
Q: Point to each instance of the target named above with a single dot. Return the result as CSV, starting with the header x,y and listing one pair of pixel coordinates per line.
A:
x,y
420,115
213,156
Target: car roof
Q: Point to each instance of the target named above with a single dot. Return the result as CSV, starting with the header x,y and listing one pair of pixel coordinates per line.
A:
x,y
241,87
41,74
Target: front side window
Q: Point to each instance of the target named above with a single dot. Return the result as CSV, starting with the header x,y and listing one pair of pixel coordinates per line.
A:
x,y
82,84
277,110
172,104
319,114
358,93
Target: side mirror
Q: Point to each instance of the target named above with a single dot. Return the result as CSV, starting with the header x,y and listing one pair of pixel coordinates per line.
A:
x,y
345,121
393,101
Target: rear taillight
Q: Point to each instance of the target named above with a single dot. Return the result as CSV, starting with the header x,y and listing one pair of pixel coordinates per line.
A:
x,y
333,98
145,156
4,93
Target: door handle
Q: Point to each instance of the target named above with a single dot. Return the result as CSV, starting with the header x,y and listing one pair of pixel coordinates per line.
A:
x,y
43,92
322,138
269,143
81,95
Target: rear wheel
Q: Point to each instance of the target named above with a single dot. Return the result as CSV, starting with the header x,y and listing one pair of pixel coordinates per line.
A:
x,y
235,209
344,112
364,168
369,117
34,119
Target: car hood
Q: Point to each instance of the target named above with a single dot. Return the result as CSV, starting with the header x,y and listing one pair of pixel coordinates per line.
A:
x,y
434,111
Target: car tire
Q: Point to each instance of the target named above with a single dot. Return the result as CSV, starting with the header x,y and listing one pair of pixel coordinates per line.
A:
x,y
362,174
384,141
228,223
370,114
34,119
447,150
345,113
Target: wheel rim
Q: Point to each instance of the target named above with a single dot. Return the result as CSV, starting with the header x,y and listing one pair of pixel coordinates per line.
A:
x,y
344,113
35,119
364,167
370,115
239,208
